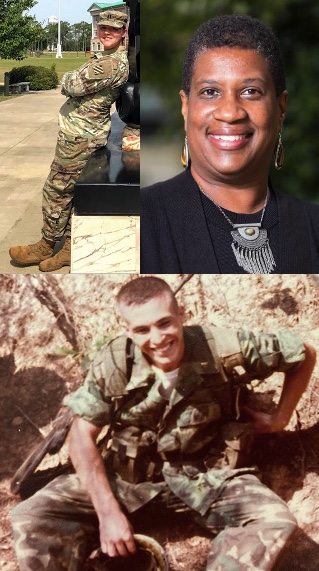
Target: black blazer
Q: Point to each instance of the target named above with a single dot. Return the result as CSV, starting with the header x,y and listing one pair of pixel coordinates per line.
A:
x,y
175,237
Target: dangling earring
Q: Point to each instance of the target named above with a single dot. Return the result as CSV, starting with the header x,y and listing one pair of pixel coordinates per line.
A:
x,y
185,158
279,158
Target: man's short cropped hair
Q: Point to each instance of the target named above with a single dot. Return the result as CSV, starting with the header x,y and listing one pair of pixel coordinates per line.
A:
x,y
236,31
143,289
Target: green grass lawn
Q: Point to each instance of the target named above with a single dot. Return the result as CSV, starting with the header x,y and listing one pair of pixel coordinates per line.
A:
x,y
68,62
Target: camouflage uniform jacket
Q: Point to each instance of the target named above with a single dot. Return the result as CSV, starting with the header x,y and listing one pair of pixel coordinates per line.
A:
x,y
91,90
188,425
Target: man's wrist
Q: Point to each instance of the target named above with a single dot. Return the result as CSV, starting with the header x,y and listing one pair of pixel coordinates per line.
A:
x,y
107,507
280,421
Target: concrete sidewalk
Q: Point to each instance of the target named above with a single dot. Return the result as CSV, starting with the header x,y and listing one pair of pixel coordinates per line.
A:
x,y
28,132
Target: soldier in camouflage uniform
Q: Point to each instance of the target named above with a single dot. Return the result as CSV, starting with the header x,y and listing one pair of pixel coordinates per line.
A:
x,y
84,126
176,434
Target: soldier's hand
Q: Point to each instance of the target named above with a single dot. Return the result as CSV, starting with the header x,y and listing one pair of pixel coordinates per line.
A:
x,y
263,422
116,534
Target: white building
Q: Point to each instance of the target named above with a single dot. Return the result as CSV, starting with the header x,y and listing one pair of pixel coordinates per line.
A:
x,y
95,10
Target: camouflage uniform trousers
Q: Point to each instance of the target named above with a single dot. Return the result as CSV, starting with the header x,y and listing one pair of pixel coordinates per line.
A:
x,y
252,525
57,528
71,156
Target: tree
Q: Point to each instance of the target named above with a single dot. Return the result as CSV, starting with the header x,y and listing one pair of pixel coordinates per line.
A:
x,y
51,33
81,35
40,38
17,29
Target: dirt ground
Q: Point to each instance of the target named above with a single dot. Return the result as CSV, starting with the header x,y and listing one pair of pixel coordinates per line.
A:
x,y
49,324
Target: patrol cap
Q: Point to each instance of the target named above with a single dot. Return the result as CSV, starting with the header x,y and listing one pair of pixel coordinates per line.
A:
x,y
113,18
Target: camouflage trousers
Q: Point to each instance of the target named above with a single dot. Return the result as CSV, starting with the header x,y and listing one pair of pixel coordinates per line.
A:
x,y
57,528
71,155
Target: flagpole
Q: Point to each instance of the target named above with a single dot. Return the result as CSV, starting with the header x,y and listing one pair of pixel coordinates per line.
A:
x,y
58,48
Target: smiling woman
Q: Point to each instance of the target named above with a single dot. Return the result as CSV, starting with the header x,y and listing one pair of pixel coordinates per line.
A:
x,y
232,118
110,37
223,215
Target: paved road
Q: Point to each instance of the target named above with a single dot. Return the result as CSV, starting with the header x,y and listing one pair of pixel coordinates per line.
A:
x,y
28,131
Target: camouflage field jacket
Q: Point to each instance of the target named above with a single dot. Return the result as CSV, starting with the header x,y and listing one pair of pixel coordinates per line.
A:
x,y
187,427
91,90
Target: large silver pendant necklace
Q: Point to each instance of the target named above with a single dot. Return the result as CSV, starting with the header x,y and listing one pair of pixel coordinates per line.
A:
x,y
250,243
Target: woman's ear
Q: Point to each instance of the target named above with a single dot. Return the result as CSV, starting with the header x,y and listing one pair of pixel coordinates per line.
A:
x,y
282,100
184,110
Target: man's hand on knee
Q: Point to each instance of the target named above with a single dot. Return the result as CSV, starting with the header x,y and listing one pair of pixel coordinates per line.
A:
x,y
116,533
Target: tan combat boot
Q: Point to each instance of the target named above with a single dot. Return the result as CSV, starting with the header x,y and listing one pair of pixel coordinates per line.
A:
x,y
33,253
62,258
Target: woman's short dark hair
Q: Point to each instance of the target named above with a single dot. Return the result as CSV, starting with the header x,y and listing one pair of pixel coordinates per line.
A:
x,y
236,31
